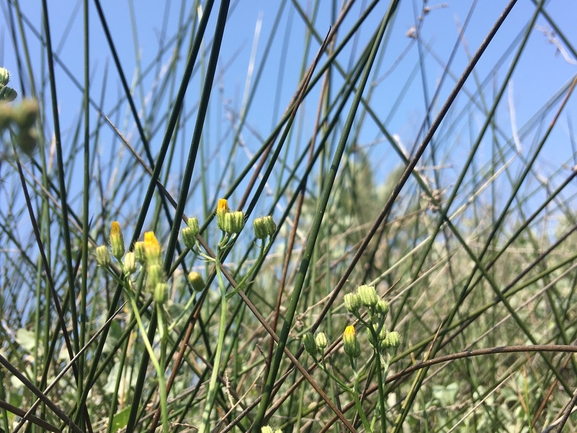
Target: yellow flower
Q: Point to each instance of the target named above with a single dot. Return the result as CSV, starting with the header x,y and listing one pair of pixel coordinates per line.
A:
x,y
151,248
116,240
221,210
350,342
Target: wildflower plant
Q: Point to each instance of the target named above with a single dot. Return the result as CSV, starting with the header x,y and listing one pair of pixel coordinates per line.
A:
x,y
371,312
147,257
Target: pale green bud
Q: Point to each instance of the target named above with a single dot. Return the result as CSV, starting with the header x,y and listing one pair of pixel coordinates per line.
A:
x,y
102,256
393,340
233,222
321,341
192,222
368,295
196,281
352,303
263,227
310,344
139,252
382,307
160,293
266,429
382,334
155,275
188,237
130,264
4,76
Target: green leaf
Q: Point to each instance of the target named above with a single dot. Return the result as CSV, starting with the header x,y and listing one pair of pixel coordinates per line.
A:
x,y
25,338
120,419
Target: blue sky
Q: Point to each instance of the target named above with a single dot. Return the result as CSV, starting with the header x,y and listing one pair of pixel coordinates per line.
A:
x,y
541,72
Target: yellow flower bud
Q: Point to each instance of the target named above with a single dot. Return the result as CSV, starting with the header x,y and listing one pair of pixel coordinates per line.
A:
x,y
221,210
116,240
151,248
351,343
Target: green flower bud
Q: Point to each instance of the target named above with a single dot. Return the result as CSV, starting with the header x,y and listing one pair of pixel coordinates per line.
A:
x,y
266,429
188,237
351,343
160,293
116,240
321,341
155,275
233,222
263,227
7,94
139,252
382,307
4,76
382,334
310,344
130,264
368,295
5,115
352,303
393,340
192,222
25,113
196,281
27,139
102,256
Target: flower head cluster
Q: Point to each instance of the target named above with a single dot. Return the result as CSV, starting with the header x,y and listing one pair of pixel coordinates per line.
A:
x,y
19,118
229,222
366,300
315,344
146,253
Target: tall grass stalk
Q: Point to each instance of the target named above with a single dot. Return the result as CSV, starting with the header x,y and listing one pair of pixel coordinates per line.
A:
x,y
426,150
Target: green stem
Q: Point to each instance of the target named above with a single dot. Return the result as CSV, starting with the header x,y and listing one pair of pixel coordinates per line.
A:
x,y
161,381
359,406
154,360
381,382
222,327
